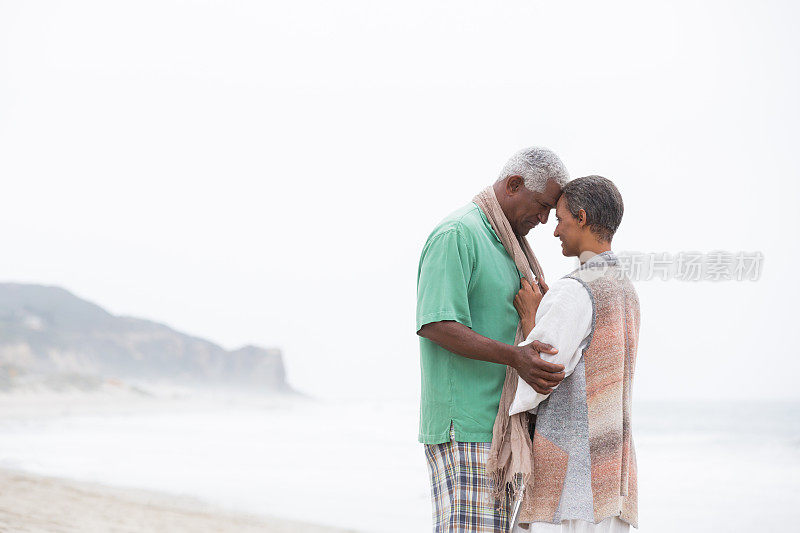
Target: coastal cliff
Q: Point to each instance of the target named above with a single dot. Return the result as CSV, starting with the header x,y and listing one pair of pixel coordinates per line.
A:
x,y
50,338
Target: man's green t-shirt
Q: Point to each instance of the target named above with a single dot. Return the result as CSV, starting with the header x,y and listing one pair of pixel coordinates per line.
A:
x,y
465,275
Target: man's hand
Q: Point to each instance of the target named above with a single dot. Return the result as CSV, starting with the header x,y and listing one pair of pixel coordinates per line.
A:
x,y
537,372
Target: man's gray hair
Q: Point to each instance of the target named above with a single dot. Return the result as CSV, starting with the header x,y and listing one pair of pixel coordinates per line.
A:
x,y
600,199
536,165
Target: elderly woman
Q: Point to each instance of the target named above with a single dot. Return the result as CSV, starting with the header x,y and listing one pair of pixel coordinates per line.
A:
x,y
584,466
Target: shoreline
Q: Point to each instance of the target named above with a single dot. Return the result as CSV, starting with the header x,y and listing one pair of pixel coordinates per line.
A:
x,y
24,404
78,506
40,503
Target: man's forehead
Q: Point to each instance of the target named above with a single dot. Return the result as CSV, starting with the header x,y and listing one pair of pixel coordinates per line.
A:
x,y
552,191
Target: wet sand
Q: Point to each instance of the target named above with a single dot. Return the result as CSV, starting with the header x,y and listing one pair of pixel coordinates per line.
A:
x,y
44,504
31,503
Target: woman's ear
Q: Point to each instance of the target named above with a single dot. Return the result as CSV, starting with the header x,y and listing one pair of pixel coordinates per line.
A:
x,y
581,218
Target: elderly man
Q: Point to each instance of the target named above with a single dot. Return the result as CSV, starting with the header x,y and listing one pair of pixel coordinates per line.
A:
x,y
469,274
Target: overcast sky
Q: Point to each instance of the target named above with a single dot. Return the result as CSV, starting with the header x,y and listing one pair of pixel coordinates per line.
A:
x,y
262,172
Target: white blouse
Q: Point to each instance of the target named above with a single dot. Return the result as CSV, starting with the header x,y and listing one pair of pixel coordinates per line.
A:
x,y
612,524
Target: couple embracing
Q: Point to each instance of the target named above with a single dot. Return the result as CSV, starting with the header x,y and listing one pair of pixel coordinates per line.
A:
x,y
525,411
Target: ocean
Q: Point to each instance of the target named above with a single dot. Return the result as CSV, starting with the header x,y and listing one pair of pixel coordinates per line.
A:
x,y
703,466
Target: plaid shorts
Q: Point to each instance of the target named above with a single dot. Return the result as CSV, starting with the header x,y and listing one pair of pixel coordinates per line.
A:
x,y
460,489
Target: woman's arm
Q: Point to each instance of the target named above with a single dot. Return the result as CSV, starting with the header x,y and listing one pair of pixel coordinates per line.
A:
x,y
564,321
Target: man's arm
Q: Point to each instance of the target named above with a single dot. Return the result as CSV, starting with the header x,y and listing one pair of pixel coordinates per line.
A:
x,y
459,339
443,311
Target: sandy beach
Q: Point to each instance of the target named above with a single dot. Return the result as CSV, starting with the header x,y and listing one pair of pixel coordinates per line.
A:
x,y
35,503
175,461
38,504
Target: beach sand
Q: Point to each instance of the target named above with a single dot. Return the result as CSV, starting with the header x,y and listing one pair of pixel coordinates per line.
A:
x,y
43,504
31,503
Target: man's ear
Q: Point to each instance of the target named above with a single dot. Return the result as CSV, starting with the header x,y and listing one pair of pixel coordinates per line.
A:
x,y
514,184
581,218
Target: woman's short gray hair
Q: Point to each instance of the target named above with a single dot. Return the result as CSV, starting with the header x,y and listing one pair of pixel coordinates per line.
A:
x,y
600,199
536,165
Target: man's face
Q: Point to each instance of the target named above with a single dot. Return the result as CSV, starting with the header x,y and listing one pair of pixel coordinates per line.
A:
x,y
567,230
531,207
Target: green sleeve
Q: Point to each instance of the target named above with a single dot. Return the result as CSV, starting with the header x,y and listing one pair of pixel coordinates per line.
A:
x,y
445,269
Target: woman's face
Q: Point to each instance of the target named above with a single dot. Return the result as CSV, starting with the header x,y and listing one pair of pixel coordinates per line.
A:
x,y
568,229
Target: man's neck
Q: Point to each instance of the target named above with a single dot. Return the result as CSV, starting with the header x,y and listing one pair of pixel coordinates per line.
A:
x,y
499,192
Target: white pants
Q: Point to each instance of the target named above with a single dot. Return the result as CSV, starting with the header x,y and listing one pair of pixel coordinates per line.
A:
x,y
611,524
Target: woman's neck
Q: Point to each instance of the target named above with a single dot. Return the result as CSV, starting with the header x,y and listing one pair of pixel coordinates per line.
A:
x,y
597,247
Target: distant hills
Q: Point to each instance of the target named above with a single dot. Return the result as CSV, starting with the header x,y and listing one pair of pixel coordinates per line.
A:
x,y
50,337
